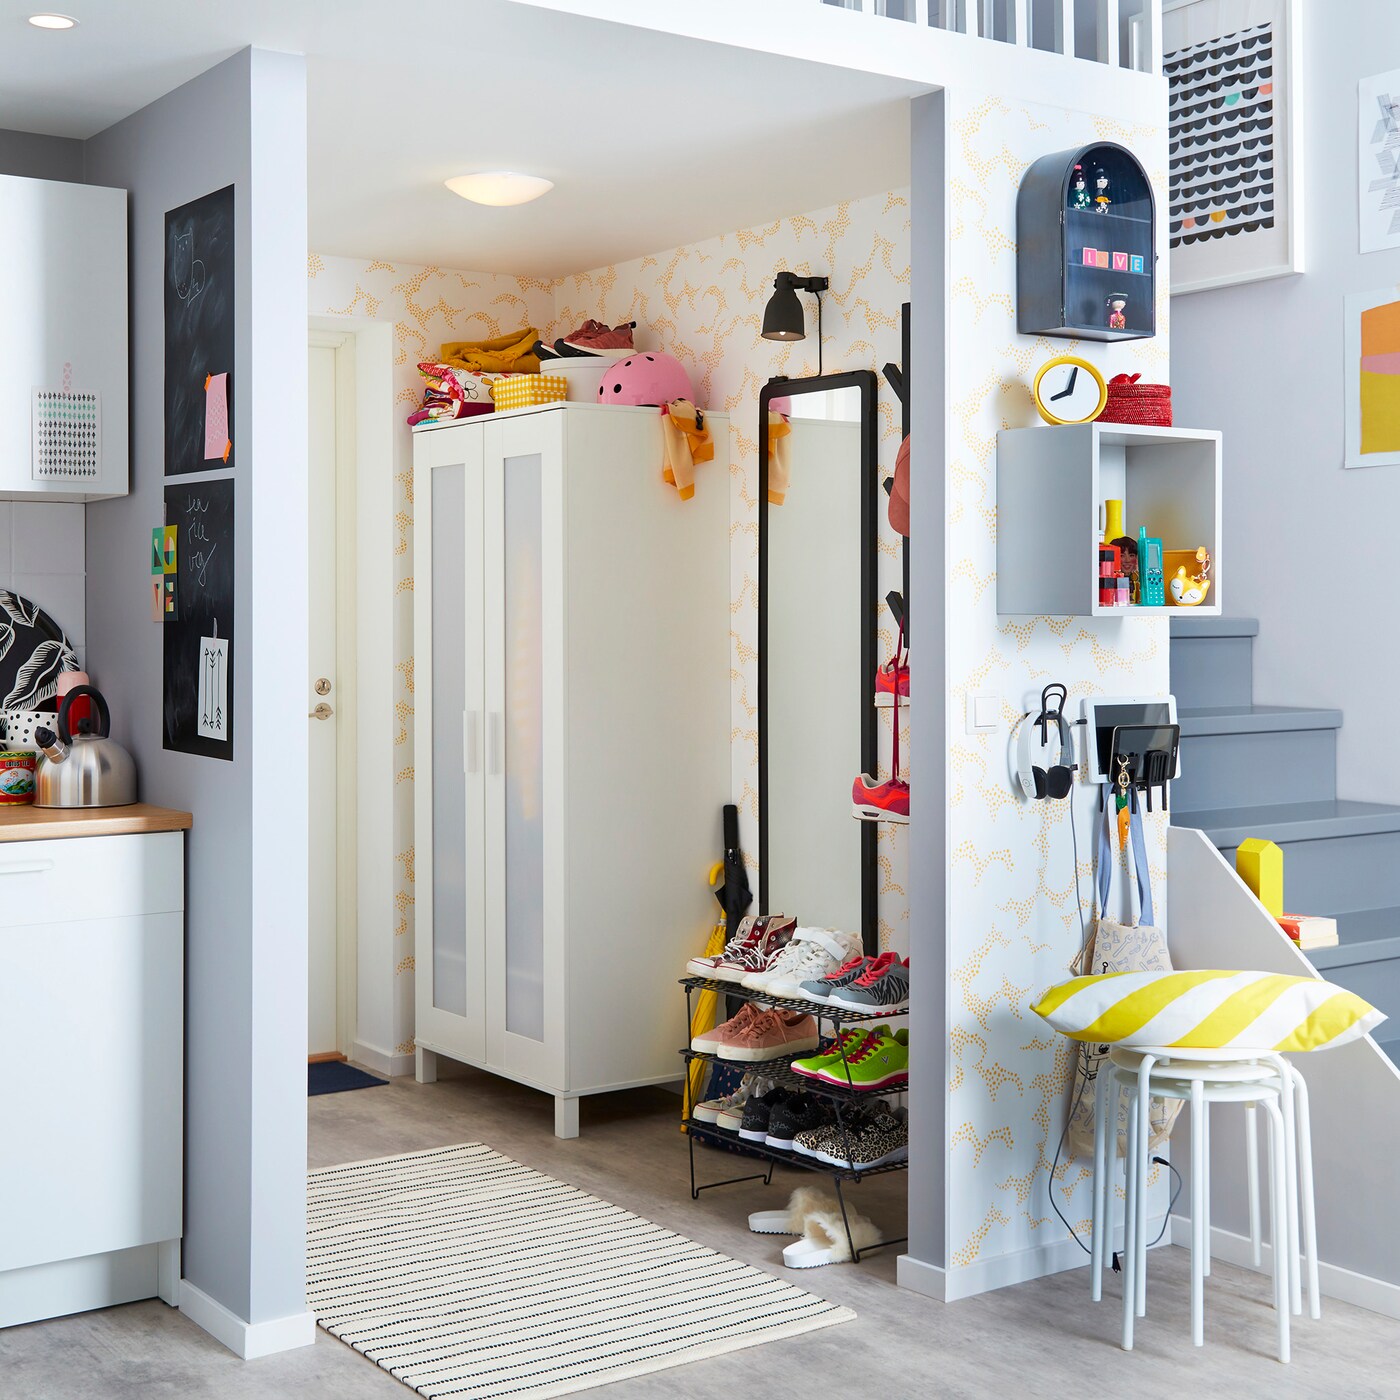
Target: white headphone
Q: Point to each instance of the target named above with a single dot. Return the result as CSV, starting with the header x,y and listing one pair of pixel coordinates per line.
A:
x,y
1037,776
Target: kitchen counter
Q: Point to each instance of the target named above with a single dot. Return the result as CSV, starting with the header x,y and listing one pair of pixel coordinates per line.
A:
x,y
25,822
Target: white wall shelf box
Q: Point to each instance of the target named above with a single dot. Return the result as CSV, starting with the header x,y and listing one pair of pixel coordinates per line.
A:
x,y
1050,483
571,721
63,340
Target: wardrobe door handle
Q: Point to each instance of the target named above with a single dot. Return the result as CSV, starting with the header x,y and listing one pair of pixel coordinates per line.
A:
x,y
471,756
493,743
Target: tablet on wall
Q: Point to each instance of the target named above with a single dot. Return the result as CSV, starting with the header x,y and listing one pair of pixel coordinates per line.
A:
x,y
1104,713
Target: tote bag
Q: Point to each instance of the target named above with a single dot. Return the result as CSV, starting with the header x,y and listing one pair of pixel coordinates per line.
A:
x,y
1117,947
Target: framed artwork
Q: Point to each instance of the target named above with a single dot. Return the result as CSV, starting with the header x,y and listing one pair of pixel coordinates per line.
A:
x,y
1372,378
1378,161
1234,139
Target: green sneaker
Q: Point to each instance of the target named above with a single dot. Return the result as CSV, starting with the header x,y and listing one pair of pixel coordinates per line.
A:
x,y
880,1062
850,1042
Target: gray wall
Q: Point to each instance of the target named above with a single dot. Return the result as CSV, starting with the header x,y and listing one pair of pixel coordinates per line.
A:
x,y
928,739
243,122
41,157
1264,363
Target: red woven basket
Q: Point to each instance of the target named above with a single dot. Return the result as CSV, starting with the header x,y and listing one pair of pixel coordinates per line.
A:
x,y
1146,405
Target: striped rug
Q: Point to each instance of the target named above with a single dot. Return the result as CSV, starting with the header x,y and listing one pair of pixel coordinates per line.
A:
x,y
463,1273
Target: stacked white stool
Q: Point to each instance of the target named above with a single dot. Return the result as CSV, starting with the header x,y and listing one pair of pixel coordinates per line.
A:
x,y
1202,1078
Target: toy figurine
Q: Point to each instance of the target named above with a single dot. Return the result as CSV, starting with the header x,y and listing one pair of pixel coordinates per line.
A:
x,y
1117,321
1128,564
1102,198
1189,591
1079,192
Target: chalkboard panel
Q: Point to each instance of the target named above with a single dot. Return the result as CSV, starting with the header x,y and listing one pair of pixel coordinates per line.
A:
x,y
198,326
198,639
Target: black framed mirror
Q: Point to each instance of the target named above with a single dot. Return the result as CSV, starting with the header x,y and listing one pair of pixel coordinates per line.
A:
x,y
819,491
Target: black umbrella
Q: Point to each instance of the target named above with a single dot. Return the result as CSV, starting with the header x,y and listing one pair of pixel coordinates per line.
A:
x,y
734,895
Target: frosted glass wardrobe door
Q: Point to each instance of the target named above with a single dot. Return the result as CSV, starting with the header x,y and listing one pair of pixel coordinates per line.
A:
x,y
524,479
449,640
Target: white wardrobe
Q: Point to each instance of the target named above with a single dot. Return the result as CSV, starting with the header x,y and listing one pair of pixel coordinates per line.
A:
x,y
571,733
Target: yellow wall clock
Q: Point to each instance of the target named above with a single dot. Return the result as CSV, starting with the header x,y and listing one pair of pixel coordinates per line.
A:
x,y
1069,390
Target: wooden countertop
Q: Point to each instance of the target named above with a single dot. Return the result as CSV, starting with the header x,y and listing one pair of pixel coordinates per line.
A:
x,y
25,822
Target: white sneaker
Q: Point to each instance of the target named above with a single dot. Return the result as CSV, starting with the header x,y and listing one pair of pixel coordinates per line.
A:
x,y
730,1111
812,953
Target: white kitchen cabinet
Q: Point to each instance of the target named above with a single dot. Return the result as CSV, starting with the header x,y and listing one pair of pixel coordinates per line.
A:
x,y
92,1026
571,657
63,340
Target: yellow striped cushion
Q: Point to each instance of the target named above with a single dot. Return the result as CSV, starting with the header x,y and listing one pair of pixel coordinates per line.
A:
x,y
1207,1011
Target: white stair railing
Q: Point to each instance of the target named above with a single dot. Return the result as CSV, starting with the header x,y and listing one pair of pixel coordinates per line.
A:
x,y
1117,33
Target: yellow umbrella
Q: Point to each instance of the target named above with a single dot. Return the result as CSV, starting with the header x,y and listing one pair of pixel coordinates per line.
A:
x,y
702,1017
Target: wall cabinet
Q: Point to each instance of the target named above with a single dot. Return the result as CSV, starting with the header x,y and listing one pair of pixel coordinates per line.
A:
x,y
571,732
92,934
1050,484
1086,261
63,341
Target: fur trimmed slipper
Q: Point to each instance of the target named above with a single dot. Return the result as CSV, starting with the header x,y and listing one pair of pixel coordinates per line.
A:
x,y
824,1239
793,1219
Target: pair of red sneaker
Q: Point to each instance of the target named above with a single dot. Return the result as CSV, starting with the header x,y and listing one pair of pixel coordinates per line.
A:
x,y
888,801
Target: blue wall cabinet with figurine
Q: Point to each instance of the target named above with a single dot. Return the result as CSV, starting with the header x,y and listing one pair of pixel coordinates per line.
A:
x,y
1086,265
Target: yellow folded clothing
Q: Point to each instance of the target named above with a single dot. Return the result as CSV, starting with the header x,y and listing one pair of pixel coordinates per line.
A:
x,y
502,354
687,442
779,458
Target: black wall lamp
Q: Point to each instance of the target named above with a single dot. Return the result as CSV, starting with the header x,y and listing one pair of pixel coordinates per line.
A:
x,y
783,317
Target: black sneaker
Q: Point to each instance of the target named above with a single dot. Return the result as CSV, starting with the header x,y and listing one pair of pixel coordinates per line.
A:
x,y
544,352
801,1113
757,1113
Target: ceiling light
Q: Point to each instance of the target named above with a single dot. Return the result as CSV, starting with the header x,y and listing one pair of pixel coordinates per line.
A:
x,y
53,21
499,187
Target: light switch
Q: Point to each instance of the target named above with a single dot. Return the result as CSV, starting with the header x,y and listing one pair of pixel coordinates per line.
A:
x,y
983,714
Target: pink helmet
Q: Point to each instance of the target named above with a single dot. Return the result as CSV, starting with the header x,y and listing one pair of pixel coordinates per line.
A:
x,y
646,377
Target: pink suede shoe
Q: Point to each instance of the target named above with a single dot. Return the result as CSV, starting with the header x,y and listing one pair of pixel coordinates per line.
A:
x,y
769,1035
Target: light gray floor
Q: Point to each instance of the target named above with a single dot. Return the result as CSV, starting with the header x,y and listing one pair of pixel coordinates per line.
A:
x,y
1038,1339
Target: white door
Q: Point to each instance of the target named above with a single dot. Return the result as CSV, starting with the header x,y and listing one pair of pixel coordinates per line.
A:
x,y
329,419
450,737
525,703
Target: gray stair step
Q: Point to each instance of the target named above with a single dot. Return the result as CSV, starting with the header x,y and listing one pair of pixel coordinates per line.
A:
x,y
1338,855
1188,624
1254,719
1212,661
1366,935
1269,753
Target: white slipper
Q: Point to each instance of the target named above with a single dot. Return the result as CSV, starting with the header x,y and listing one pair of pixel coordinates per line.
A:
x,y
824,1240
793,1218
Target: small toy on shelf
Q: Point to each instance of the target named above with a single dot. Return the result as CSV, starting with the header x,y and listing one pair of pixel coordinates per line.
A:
x,y
1102,198
1151,592
1128,553
1117,304
1079,191
1189,590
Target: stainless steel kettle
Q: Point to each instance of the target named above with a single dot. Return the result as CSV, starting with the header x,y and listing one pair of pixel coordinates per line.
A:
x,y
87,769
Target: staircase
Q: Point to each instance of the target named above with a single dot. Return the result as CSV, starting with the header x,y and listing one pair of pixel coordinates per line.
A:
x,y
1271,771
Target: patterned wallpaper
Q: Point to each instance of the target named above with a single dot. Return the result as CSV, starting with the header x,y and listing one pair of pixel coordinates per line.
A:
x,y
703,303
1013,924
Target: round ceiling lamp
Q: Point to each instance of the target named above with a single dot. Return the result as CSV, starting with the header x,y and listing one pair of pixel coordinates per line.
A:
x,y
48,21
499,187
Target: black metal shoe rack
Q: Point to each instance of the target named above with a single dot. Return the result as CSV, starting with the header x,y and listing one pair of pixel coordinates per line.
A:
x,y
842,1096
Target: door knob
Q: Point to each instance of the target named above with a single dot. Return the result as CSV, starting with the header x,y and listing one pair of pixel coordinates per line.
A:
x,y
322,711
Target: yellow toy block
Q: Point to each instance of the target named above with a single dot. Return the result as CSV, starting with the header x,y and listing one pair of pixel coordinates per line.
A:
x,y
1259,864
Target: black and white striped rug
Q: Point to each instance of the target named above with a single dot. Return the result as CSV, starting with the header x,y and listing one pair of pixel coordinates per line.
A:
x,y
463,1273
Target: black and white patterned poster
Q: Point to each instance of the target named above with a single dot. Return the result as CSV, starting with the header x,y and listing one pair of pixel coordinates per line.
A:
x,y
1230,138
1221,129
1378,156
